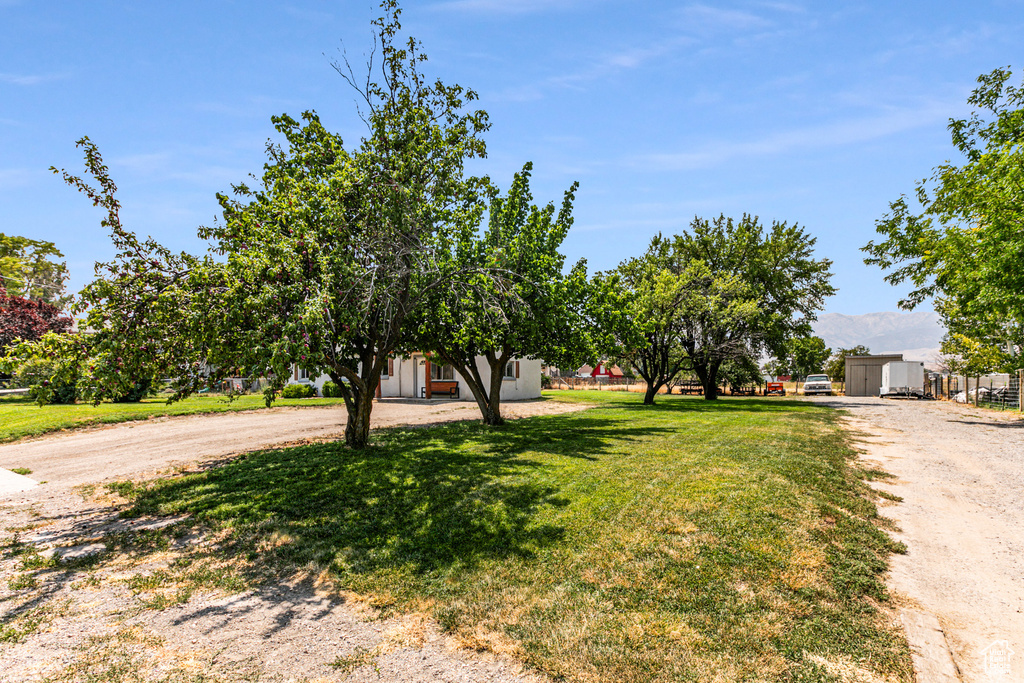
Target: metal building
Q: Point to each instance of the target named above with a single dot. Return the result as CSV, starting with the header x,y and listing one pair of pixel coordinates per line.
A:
x,y
864,373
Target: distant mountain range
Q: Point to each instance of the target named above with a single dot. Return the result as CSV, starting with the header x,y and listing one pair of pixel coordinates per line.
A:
x,y
916,335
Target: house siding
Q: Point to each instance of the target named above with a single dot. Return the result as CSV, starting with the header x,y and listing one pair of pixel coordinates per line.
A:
x,y
406,379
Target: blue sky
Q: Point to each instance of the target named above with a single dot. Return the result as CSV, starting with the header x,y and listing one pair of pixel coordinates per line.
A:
x,y
815,113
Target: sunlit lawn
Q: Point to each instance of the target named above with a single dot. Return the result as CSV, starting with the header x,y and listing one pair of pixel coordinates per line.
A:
x,y
690,541
21,417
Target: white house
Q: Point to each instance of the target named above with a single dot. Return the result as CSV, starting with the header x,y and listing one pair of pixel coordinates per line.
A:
x,y
407,377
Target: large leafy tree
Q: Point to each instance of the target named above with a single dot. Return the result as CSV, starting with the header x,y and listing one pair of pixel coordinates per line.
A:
x,y
29,269
27,320
677,315
962,239
809,355
723,289
777,265
322,263
519,304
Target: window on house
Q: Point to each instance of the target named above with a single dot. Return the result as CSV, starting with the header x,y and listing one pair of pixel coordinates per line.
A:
x,y
303,374
511,369
441,372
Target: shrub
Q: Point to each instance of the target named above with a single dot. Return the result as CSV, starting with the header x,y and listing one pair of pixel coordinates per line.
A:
x,y
35,373
140,390
298,391
330,390
545,382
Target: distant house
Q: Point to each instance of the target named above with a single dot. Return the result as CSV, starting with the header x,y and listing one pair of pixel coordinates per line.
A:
x,y
601,371
409,377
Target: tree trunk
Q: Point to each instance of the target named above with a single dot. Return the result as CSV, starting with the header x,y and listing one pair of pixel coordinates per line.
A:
x,y
488,401
652,391
492,415
357,429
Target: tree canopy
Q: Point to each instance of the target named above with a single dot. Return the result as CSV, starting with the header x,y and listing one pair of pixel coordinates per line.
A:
x,y
836,366
321,264
963,240
520,304
27,320
722,290
29,269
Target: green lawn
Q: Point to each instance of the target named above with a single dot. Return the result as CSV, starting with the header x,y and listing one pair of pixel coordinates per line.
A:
x,y
690,541
20,417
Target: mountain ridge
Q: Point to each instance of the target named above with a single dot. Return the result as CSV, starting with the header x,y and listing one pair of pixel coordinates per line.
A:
x,y
917,334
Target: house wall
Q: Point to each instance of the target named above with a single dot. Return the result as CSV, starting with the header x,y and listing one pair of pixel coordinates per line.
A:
x,y
407,377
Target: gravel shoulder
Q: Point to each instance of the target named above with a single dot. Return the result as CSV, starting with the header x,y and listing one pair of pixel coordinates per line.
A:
x,y
70,610
960,473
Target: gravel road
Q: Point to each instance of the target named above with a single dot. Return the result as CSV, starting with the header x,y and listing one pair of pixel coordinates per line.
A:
x,y
960,472
99,453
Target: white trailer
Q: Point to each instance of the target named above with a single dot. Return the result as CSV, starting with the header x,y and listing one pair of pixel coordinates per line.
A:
x,y
902,378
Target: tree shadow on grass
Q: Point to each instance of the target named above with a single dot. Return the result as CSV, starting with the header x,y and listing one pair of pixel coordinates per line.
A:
x,y
723,404
415,502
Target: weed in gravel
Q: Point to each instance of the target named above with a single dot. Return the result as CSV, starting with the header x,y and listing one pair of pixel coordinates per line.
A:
x,y
21,622
360,657
23,581
24,471
182,579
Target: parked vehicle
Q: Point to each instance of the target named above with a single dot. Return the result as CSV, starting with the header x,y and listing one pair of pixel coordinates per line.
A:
x,y
775,389
817,384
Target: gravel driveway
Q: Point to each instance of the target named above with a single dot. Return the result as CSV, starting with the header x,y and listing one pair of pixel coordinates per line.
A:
x,y
960,472
107,452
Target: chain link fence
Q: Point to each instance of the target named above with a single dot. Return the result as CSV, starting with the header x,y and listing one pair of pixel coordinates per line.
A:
x,y
993,391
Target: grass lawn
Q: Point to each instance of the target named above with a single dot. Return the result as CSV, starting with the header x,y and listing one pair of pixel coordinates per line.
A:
x,y
21,417
690,541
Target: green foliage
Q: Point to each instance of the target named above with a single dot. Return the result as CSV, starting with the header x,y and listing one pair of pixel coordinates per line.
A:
x,y
519,303
141,389
968,356
963,242
298,391
29,269
723,290
740,371
52,368
330,390
836,366
809,355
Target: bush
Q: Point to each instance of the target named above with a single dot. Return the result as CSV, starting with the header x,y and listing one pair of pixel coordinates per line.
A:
x,y
330,390
298,391
545,382
140,390
35,373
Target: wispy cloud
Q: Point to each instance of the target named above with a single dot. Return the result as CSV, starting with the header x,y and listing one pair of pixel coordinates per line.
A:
x,y
194,166
601,67
29,79
707,17
826,135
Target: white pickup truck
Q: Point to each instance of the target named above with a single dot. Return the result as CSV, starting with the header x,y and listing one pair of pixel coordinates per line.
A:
x,y
817,384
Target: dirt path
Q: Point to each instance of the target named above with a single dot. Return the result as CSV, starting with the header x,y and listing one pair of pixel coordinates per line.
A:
x,y
98,453
90,614
960,472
